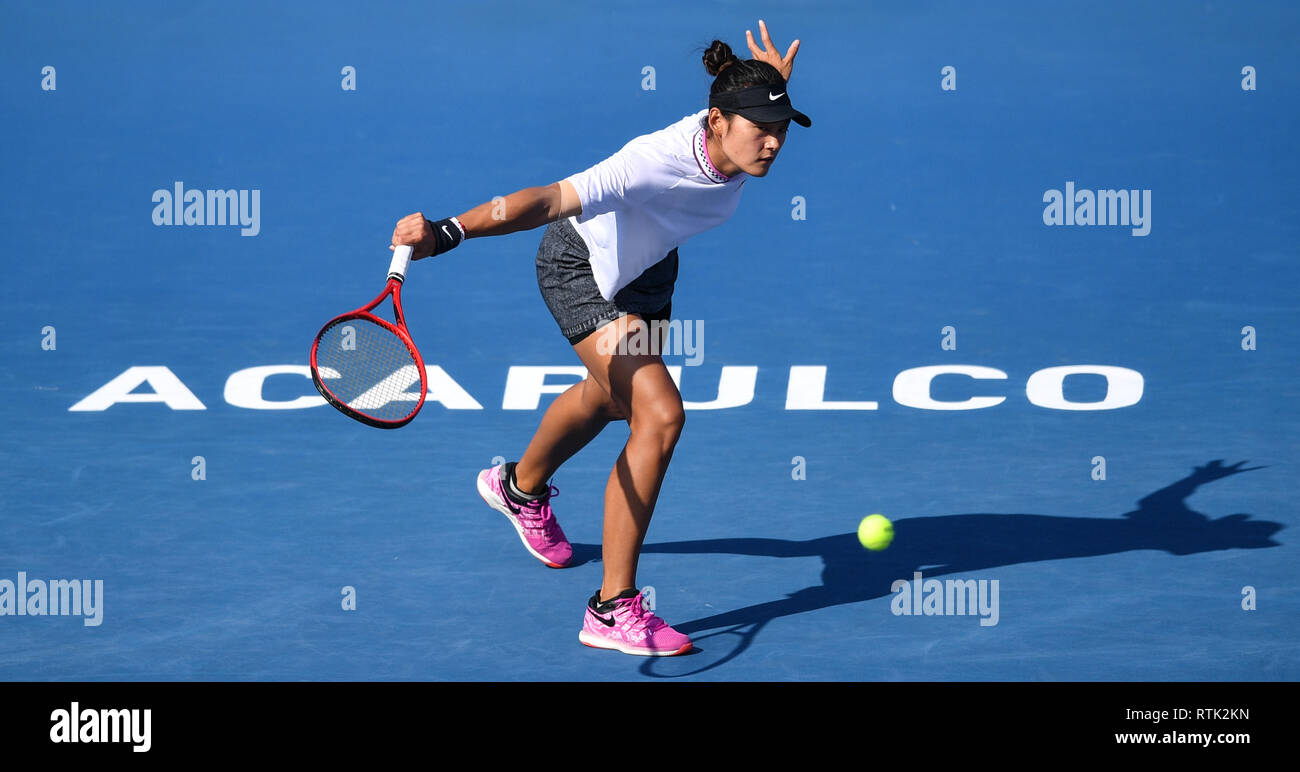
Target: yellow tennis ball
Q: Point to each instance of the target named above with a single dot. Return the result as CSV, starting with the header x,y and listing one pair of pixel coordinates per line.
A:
x,y
875,532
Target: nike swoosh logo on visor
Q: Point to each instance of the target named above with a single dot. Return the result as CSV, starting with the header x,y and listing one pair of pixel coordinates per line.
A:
x,y
771,98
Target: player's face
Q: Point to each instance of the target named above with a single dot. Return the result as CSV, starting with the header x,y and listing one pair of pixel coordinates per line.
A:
x,y
754,146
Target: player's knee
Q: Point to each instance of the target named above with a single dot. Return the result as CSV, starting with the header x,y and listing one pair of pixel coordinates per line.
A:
x,y
662,419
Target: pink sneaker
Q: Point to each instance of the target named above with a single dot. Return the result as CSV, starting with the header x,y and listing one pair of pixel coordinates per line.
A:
x,y
534,521
625,624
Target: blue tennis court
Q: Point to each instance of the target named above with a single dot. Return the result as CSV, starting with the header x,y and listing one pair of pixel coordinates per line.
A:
x,y
1085,434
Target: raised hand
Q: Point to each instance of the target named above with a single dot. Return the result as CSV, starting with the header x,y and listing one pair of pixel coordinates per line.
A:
x,y
769,51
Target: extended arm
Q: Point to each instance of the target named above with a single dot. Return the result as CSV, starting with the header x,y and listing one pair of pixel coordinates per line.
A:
x,y
520,211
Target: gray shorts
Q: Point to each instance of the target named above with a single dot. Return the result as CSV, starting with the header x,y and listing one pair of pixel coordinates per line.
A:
x,y
570,291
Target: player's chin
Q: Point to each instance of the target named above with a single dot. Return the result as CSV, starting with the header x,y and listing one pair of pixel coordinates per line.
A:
x,y
761,168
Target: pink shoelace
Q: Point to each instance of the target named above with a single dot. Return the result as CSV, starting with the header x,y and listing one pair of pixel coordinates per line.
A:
x,y
642,617
539,517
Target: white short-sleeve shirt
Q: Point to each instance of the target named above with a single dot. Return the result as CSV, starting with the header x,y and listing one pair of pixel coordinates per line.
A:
x,y
649,197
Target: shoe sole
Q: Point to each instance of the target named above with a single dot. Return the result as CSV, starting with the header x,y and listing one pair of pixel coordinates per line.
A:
x,y
596,642
496,503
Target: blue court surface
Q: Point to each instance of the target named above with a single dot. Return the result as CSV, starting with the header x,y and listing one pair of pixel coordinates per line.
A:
x,y
1086,435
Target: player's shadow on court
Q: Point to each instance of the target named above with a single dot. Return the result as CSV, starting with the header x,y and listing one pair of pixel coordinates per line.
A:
x,y
949,544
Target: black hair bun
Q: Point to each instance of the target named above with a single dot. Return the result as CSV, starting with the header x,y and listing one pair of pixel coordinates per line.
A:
x,y
718,57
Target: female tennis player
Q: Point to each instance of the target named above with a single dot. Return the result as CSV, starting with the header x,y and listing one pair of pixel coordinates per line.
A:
x,y
606,266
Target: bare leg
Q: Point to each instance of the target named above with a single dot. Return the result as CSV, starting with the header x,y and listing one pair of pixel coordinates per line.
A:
x,y
639,387
573,420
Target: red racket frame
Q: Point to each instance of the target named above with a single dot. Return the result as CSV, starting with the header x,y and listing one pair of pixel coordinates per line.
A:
x,y
396,275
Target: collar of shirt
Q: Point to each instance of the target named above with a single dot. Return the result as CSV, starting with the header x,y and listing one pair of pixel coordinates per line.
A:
x,y
702,158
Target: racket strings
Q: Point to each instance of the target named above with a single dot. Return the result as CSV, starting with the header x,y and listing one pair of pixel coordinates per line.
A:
x,y
369,369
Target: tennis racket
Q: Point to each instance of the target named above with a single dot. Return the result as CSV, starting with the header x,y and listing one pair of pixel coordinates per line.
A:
x,y
367,367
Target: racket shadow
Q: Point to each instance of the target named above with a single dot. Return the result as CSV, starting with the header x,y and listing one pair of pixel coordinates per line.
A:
x,y
960,543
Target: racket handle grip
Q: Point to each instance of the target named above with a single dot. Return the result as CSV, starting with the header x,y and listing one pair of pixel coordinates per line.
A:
x,y
401,259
